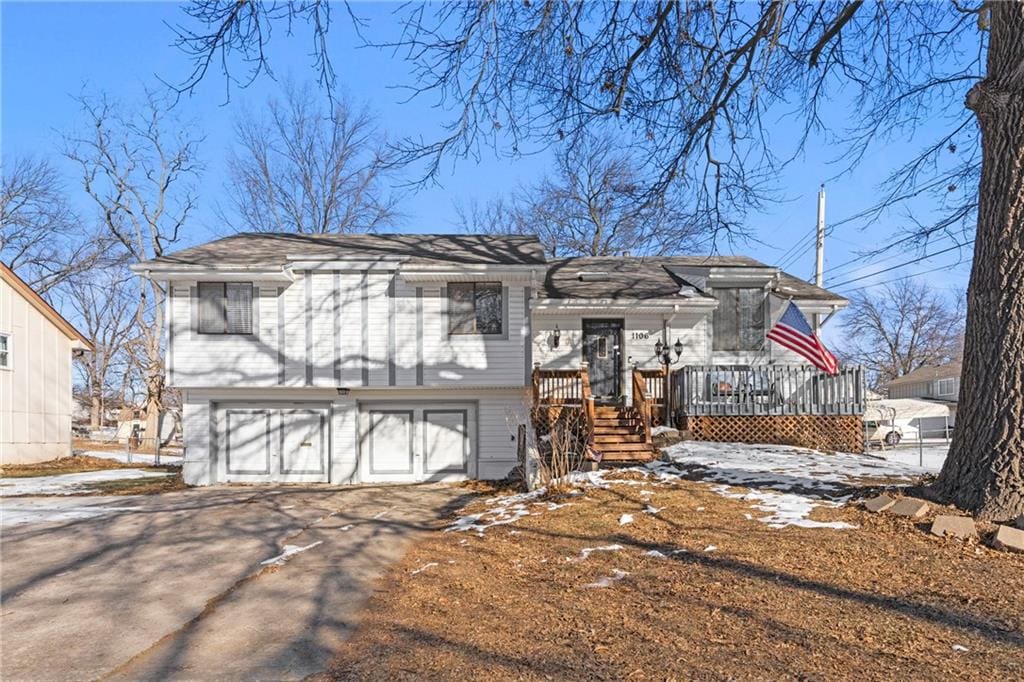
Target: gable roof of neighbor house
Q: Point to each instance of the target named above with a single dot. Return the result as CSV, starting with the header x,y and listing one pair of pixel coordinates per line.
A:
x,y
40,304
950,370
277,249
624,277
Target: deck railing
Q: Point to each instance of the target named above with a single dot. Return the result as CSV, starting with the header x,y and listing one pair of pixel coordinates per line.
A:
x,y
655,383
767,390
558,386
642,401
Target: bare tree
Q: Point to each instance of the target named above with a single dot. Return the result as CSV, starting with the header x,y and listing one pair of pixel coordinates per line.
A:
x,y
139,165
41,237
594,204
105,304
307,169
697,85
901,327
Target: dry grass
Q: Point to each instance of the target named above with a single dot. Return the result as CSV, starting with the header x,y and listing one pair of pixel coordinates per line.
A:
x,y
140,486
884,601
65,465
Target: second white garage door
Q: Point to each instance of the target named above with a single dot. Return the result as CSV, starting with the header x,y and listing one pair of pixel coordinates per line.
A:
x,y
413,442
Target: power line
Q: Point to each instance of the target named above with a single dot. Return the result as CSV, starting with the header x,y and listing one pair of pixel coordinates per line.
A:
x,y
877,252
899,265
896,279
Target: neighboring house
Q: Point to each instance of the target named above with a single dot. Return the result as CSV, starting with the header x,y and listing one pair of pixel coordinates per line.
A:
x,y
929,383
36,349
939,385
377,358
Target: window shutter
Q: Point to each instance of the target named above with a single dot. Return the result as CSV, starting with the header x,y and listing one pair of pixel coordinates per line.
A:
x,y
212,318
239,308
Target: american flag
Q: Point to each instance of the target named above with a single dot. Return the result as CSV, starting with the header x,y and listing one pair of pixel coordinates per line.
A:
x,y
793,332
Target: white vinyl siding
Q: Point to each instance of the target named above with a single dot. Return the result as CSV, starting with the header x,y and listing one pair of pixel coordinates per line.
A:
x,y
35,389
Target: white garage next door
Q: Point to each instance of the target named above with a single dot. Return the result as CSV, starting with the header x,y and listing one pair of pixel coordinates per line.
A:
x,y
272,443
408,443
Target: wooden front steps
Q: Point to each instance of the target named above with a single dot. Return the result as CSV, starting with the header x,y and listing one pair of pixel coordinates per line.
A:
x,y
619,435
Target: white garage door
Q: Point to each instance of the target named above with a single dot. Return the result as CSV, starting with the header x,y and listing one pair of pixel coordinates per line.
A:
x,y
408,442
272,443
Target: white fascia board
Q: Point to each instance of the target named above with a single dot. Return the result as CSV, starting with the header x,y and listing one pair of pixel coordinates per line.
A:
x,y
206,273
561,306
818,307
741,276
346,265
471,273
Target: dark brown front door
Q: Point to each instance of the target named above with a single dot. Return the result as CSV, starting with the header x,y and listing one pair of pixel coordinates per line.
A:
x,y
602,341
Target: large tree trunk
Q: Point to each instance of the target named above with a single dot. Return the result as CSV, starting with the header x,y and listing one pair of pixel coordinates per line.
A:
x,y
984,472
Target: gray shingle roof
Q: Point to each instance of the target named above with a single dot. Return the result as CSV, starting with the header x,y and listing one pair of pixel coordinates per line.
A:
x,y
652,277
272,249
950,370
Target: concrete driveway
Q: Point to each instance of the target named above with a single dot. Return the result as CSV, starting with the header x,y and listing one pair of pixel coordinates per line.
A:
x,y
174,586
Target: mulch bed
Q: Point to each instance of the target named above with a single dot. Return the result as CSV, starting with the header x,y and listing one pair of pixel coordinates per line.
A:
x,y
883,601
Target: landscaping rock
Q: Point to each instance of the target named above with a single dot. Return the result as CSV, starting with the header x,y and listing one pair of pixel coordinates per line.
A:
x,y
879,504
961,527
910,508
1010,539
1020,522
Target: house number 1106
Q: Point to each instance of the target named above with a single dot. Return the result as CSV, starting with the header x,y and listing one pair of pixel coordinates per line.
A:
x,y
641,336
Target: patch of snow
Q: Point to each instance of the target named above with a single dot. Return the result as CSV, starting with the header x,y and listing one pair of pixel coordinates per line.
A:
x,y
288,553
646,493
651,509
587,551
381,515
701,508
136,458
960,648
552,506
788,482
748,517
347,527
22,511
710,548
930,457
625,518
70,484
658,430
655,554
607,580
785,509
424,567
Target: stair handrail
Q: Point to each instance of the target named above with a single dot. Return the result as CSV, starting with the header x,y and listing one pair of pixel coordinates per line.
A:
x,y
641,401
589,411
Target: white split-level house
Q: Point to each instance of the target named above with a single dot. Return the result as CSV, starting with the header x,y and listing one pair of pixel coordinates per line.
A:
x,y
36,350
402,358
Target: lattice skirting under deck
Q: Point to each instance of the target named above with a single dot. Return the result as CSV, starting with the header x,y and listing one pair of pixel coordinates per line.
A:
x,y
843,433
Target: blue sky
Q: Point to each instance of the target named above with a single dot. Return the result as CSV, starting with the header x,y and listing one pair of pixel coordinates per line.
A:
x,y
52,51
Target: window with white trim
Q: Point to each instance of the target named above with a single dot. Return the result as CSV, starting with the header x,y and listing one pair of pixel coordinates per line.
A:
x,y
5,351
474,308
225,307
947,386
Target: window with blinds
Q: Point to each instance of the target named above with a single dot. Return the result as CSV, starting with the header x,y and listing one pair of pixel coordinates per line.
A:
x,y
738,321
474,308
225,308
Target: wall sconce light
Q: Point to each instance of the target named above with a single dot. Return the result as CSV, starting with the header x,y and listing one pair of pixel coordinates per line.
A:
x,y
556,336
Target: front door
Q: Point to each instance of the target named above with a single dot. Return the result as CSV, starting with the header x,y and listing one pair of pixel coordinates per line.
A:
x,y
602,341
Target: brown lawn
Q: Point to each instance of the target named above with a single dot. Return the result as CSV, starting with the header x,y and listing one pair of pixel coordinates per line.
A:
x,y
65,465
82,463
883,601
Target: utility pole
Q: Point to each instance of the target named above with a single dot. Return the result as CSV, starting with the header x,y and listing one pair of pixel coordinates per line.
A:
x,y
819,263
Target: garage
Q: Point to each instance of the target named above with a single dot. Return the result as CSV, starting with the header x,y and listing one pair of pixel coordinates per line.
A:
x,y
411,442
279,443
